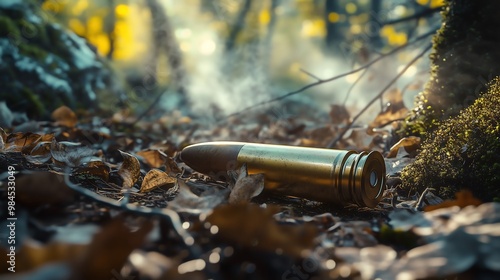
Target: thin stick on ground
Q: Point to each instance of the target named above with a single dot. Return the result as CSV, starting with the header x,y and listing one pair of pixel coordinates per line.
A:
x,y
379,95
322,81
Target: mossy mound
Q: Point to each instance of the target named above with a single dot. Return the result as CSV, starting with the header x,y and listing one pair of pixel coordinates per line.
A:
x,y
44,66
464,152
466,52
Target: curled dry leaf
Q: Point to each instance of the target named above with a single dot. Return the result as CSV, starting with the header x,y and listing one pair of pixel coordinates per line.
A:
x,y
410,145
188,202
251,226
394,110
463,198
154,158
70,154
156,178
246,188
93,170
65,116
40,153
16,142
130,170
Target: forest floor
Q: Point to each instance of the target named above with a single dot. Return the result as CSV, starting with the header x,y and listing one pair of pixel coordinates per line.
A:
x,y
108,198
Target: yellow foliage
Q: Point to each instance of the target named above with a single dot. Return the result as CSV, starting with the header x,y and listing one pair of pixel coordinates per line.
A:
x,y
264,17
333,17
101,41
436,3
423,2
314,28
77,26
53,6
351,8
79,7
94,25
122,11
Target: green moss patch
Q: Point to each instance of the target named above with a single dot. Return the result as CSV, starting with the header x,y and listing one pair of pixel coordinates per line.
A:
x,y
464,152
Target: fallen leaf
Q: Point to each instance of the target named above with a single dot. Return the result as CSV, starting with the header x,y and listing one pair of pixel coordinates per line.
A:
x,y
15,142
463,198
246,187
64,116
339,114
109,250
70,154
40,154
251,226
188,202
130,170
93,170
394,110
409,144
156,178
42,188
154,158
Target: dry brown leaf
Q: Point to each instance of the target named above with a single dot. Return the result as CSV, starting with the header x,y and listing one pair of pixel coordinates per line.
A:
x,y
33,255
463,198
109,250
70,154
187,201
394,110
251,226
130,170
40,154
339,114
92,170
411,144
106,253
42,188
154,158
65,116
15,142
156,178
246,187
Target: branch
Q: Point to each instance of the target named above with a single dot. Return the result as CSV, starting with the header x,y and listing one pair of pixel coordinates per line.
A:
x,y
169,214
379,95
322,81
421,14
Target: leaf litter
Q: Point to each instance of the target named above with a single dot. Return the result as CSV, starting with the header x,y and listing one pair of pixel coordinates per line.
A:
x,y
179,224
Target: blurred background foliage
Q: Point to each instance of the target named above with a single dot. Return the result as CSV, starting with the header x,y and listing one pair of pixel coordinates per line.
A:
x,y
269,41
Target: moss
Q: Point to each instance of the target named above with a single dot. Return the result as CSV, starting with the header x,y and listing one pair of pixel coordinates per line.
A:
x,y
464,152
8,28
466,51
32,51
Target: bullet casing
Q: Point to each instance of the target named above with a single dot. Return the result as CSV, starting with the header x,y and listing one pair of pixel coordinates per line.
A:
x,y
327,175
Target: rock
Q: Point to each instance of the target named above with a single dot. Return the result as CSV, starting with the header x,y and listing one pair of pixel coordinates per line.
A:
x,y
44,66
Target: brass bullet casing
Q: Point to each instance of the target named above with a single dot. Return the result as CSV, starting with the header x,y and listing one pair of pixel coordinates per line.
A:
x,y
334,176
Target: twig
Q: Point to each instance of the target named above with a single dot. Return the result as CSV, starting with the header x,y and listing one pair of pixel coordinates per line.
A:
x,y
332,78
169,214
151,106
379,95
311,75
353,85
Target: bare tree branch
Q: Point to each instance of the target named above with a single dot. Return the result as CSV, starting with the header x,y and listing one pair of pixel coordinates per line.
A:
x,y
379,95
322,81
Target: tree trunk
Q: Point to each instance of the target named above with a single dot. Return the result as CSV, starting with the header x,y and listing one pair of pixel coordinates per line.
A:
x,y
163,36
466,54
